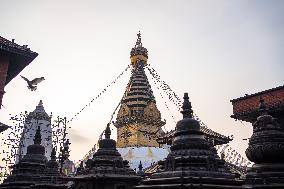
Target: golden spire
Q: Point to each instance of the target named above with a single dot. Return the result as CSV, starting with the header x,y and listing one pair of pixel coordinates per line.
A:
x,y
138,53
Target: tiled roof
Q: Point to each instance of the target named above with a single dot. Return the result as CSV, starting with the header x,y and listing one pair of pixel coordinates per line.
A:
x,y
246,108
207,132
12,47
258,93
19,57
3,127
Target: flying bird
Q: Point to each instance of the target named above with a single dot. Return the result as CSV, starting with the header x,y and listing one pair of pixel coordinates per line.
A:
x,y
32,85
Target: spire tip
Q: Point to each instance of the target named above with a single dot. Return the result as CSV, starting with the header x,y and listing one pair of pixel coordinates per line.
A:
x,y
186,107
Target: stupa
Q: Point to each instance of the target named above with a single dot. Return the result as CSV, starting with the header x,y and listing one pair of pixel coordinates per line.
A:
x,y
138,120
107,169
193,161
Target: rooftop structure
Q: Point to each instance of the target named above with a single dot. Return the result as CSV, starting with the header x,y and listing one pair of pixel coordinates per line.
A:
x,y
13,59
20,57
210,135
3,127
246,108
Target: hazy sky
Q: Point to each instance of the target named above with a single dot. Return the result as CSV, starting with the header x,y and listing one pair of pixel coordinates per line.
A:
x,y
214,50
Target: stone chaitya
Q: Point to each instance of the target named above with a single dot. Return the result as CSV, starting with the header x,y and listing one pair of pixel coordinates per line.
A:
x,y
107,169
27,172
52,166
34,170
193,161
67,166
266,150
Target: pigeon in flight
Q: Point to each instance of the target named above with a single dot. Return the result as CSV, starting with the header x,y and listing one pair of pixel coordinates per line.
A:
x,y
32,85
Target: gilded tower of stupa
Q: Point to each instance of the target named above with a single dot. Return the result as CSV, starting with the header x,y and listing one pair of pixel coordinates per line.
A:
x,y
138,120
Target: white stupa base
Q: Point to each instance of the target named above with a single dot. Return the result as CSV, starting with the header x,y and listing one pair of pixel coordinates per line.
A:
x,y
147,155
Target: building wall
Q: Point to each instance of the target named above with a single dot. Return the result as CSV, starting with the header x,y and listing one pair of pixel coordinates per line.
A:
x,y
4,64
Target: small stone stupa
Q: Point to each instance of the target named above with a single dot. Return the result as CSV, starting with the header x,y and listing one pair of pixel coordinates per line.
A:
x,y
193,161
107,169
266,150
34,171
27,172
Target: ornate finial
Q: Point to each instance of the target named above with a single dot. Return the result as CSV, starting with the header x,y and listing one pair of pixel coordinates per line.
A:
x,y
107,132
138,53
138,42
40,103
39,107
186,107
262,107
140,167
37,139
53,154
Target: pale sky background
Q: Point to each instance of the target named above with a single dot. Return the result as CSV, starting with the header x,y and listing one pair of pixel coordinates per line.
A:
x,y
215,50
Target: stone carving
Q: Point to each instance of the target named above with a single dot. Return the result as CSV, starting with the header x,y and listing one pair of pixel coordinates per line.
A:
x,y
266,150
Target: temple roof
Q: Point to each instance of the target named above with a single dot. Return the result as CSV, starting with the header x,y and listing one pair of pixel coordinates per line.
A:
x,y
3,127
258,93
246,108
218,138
20,57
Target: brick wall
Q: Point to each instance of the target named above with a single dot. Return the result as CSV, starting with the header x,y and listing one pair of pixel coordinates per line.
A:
x,y
251,103
4,64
